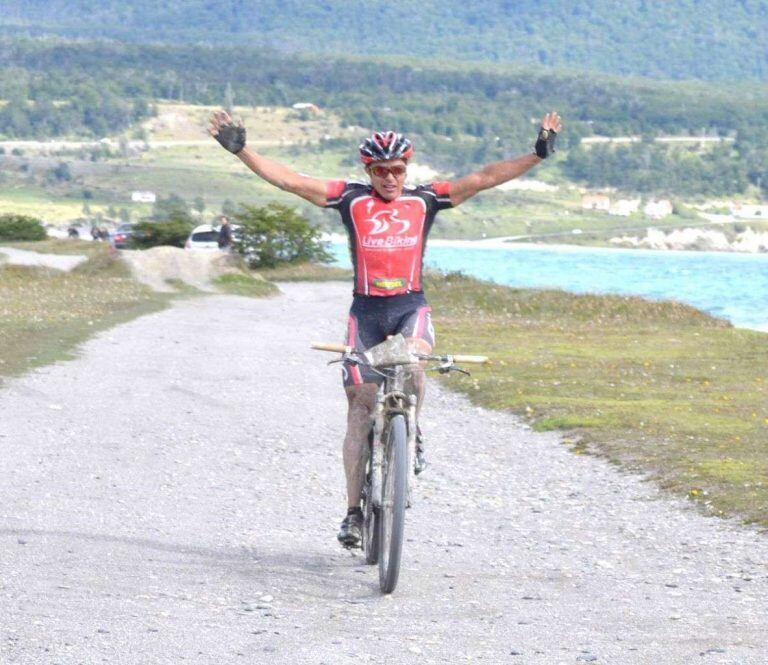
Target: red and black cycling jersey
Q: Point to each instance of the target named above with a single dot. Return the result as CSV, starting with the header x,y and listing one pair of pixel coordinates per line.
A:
x,y
387,239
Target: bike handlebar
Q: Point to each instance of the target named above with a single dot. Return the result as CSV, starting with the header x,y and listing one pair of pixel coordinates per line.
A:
x,y
339,348
342,348
477,360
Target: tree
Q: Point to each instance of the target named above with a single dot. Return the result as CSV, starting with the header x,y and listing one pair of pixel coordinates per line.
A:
x,y
21,227
277,234
173,231
172,207
60,173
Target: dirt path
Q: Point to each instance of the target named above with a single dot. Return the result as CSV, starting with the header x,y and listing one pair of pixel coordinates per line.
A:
x,y
173,495
23,257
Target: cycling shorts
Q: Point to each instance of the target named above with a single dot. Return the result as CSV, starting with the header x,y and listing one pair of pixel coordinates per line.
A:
x,y
374,318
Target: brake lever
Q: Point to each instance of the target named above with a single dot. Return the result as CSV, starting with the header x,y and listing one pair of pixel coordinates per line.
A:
x,y
447,368
345,357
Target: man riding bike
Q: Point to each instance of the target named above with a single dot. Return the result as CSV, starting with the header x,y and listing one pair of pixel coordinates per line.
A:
x,y
388,224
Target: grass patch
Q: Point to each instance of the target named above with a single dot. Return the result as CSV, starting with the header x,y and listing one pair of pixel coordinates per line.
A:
x,y
306,272
44,203
96,251
182,289
45,313
659,387
241,284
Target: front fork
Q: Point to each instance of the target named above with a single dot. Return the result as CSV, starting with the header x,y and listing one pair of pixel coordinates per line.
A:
x,y
412,429
377,452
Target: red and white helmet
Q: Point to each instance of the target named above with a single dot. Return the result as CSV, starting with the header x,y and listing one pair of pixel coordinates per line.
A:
x,y
383,146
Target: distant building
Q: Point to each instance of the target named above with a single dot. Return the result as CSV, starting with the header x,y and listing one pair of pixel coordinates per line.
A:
x,y
658,209
746,211
624,207
143,197
596,202
306,106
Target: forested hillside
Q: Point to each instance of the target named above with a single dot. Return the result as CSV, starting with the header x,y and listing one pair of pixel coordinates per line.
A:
x,y
464,114
425,97
706,39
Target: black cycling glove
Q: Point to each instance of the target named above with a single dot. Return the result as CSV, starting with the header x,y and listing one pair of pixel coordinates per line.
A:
x,y
231,137
545,143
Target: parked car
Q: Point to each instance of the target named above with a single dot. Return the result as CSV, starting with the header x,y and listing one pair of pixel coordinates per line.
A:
x,y
121,238
206,237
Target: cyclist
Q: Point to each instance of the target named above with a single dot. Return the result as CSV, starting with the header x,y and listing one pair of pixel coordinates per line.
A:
x,y
388,224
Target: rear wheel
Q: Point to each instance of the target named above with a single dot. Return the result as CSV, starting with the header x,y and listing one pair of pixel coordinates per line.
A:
x,y
391,517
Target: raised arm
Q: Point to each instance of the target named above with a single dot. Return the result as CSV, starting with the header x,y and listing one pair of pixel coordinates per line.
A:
x,y
499,172
232,137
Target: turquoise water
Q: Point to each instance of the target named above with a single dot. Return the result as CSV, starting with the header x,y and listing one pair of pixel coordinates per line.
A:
x,y
730,286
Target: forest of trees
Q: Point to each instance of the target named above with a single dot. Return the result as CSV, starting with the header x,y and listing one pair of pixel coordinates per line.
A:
x,y
649,167
463,115
705,39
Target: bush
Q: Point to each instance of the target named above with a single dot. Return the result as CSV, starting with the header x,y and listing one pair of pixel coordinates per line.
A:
x,y
174,232
276,234
21,227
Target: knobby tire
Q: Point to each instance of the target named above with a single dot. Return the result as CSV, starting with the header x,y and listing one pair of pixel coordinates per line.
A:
x,y
370,530
391,517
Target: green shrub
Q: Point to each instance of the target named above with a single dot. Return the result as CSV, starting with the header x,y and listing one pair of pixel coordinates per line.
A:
x,y
21,227
174,232
276,234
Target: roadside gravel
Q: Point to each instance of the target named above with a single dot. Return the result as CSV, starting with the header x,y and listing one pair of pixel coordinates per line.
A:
x,y
174,494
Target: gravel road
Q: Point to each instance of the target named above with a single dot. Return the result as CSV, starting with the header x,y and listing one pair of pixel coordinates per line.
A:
x,y
174,495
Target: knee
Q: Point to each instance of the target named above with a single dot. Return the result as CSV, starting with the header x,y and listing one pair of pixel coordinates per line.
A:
x,y
418,345
361,399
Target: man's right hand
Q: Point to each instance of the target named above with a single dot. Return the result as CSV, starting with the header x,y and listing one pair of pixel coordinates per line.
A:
x,y
545,141
230,135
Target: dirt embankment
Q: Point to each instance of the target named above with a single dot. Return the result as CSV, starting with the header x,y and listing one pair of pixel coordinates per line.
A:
x,y
161,267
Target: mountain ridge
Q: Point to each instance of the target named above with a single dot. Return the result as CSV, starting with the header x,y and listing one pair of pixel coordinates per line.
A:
x,y
701,39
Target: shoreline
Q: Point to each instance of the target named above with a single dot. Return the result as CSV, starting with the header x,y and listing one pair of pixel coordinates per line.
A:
x,y
500,243
743,320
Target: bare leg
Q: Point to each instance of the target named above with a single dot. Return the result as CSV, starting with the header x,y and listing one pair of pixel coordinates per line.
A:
x,y
362,400
419,381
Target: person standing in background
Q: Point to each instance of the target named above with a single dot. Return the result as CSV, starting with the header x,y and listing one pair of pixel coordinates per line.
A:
x,y
225,234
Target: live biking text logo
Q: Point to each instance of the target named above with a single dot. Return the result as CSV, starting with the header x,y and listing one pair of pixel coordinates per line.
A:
x,y
387,222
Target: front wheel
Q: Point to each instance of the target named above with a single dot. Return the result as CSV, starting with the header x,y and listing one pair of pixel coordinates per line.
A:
x,y
391,517
370,530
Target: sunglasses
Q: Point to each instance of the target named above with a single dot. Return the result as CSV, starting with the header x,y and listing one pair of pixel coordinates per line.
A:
x,y
384,171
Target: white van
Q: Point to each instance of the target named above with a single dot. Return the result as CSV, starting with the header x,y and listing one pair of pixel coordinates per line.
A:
x,y
205,237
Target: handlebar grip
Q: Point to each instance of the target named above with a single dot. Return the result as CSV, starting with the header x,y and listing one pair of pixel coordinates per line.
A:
x,y
478,360
324,346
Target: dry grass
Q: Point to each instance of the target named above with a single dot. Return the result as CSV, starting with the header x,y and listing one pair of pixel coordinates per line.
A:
x,y
306,272
659,387
45,313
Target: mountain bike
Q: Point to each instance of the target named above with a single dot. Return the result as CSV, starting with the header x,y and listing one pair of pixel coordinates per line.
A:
x,y
391,449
